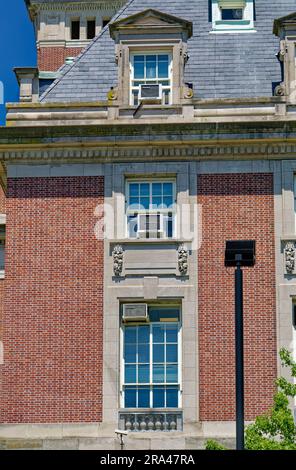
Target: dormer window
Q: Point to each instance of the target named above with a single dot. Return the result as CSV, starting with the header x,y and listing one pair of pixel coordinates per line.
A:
x,y
151,69
151,53
233,16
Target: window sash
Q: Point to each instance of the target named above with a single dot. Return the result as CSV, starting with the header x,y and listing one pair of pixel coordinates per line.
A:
x,y
132,212
151,384
166,88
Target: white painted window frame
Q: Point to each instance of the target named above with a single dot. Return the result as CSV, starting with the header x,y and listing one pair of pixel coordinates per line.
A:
x,y
225,26
151,384
130,212
157,80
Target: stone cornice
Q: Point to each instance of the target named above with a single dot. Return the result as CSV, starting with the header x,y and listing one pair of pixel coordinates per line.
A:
x,y
73,6
147,152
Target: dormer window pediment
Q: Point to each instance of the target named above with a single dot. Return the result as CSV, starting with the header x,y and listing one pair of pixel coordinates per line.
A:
x,y
152,21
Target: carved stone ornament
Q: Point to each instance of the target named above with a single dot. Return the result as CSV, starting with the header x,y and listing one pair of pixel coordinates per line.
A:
x,y
280,90
117,260
290,257
188,93
183,260
112,94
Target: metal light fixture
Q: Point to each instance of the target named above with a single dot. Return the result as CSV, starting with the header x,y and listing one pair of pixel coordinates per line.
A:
x,y
239,253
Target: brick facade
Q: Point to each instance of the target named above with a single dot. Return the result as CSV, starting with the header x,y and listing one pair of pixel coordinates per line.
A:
x,y
236,206
2,281
53,323
51,59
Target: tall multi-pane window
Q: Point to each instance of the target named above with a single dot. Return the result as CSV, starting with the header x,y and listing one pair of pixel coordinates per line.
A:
x,y
153,69
150,209
151,375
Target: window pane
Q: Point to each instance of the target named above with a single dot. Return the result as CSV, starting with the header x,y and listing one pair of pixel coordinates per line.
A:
x,y
158,374
130,374
143,353
167,189
232,14
158,397
144,397
144,202
143,374
134,189
172,397
139,70
156,189
130,397
130,335
163,69
130,353
143,334
134,203
158,353
139,66
168,201
139,58
158,333
151,66
172,353
172,374
157,201
144,189
172,332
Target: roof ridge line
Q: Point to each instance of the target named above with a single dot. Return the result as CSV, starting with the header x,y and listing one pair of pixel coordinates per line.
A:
x,y
57,80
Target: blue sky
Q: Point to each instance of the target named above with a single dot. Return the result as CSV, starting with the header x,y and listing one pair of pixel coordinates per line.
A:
x,y
17,46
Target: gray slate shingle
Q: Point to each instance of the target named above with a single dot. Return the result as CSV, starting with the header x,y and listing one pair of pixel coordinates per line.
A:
x,y
220,65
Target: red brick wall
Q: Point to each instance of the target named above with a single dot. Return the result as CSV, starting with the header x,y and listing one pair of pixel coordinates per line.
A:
x,y
236,206
53,322
2,281
51,59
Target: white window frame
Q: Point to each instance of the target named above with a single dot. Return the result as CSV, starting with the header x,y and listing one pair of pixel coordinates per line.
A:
x,y
164,88
246,25
173,210
151,384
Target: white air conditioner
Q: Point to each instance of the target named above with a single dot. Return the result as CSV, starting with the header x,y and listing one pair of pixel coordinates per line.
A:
x,y
135,313
150,225
151,92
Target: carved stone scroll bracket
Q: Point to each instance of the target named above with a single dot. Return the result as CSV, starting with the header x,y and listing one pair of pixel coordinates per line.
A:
x,y
183,260
290,257
117,260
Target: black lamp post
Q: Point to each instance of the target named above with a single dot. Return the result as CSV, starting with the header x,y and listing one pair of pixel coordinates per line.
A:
x,y
239,253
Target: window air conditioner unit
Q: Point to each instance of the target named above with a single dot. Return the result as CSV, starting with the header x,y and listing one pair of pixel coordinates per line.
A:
x,y
151,92
150,226
135,313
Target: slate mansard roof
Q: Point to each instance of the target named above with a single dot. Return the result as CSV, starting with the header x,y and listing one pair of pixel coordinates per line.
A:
x,y
220,65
